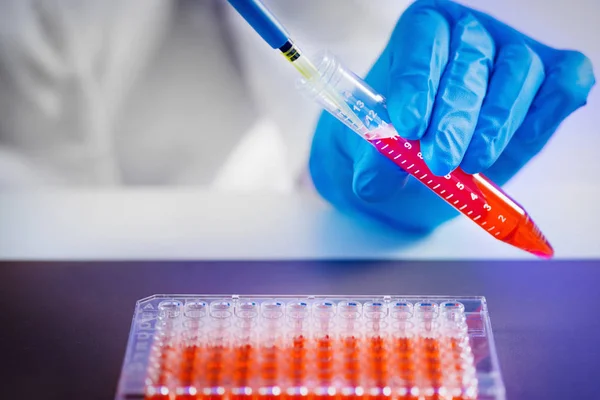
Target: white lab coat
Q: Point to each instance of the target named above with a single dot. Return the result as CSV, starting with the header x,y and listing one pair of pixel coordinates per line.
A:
x,y
156,92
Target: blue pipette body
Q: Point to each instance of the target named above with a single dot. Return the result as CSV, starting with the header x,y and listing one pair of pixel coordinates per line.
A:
x,y
263,22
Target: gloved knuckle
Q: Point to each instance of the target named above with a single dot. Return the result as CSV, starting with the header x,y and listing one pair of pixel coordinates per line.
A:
x,y
478,38
576,77
423,4
522,52
432,10
359,190
485,160
470,164
576,59
422,10
317,171
442,167
525,57
477,157
450,10
414,78
535,62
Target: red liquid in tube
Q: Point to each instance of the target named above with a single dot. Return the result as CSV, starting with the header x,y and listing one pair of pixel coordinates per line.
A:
x,y
474,196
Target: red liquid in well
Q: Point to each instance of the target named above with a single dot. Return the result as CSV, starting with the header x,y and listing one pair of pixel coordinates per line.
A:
x,y
458,347
351,366
187,372
243,364
324,368
296,368
301,368
215,371
405,367
162,373
377,368
456,351
270,366
430,367
472,195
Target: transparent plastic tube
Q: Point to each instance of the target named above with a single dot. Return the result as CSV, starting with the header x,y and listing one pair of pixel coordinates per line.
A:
x,y
364,111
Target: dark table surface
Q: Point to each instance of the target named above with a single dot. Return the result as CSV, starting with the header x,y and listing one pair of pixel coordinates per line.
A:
x,y
64,326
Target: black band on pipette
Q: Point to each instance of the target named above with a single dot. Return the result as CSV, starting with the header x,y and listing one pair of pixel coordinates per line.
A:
x,y
286,46
289,51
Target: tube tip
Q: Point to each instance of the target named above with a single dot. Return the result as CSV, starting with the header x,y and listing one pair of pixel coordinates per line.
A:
x,y
528,237
542,248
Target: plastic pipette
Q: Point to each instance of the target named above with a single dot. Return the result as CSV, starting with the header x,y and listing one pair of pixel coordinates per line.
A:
x,y
356,104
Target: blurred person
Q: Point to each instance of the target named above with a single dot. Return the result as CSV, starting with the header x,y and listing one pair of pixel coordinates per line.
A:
x,y
174,93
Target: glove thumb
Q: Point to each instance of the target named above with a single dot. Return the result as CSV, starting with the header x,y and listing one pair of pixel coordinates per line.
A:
x,y
375,177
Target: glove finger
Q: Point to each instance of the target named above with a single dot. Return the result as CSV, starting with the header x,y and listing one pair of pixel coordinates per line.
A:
x,y
566,88
376,178
517,77
330,165
336,162
418,55
463,87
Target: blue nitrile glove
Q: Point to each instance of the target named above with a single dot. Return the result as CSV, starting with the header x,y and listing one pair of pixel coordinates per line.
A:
x,y
478,94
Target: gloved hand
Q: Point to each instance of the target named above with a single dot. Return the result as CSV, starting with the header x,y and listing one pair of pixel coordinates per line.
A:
x,y
477,93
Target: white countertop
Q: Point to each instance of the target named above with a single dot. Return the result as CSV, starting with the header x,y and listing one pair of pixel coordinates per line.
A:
x,y
201,224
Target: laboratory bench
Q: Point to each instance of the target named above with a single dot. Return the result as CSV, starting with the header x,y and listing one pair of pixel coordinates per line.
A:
x,y
65,325
200,224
